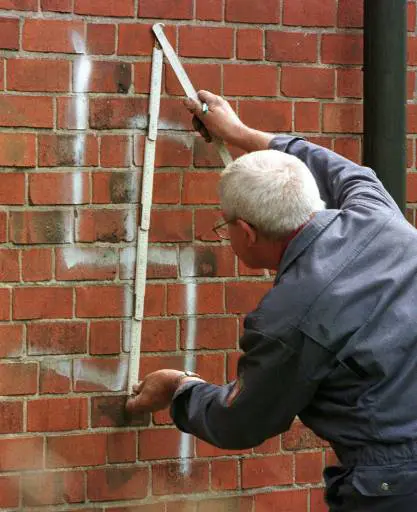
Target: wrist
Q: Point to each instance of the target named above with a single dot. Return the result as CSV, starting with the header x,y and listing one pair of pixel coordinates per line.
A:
x,y
253,140
187,376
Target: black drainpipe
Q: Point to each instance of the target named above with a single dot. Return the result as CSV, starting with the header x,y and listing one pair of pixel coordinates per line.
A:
x,y
385,89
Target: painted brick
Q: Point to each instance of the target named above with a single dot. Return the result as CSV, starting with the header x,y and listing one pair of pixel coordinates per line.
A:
x,y
291,46
105,337
106,225
250,44
132,483
42,302
171,226
246,11
57,338
307,117
97,374
40,35
59,188
56,5
315,13
109,411
70,112
157,444
57,414
21,453
242,297
37,265
101,38
138,39
342,49
250,80
55,376
40,75
307,82
17,150
11,340
9,33
40,227
103,301
76,450
169,479
207,261
211,333
115,151
342,118
63,150
269,116
209,299
9,265
85,264
53,488
105,8
26,111
5,304
164,9
104,77
121,447
18,379
9,491
216,42
11,418
173,151
210,10
118,113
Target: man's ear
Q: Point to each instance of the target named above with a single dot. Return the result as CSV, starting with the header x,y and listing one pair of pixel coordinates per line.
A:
x,y
250,232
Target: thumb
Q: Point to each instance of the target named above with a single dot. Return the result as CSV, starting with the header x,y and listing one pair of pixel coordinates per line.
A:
x,y
208,97
193,106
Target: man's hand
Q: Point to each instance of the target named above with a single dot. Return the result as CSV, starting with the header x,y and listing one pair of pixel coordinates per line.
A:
x,y
155,392
221,121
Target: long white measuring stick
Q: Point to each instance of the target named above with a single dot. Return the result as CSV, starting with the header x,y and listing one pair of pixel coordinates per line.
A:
x,y
143,229
185,82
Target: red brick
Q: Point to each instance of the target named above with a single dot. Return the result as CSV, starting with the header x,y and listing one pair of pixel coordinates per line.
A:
x,y
155,299
19,5
105,337
342,49
350,13
11,418
21,453
40,227
81,264
211,367
214,42
2,63
200,188
9,491
412,50
350,83
42,302
243,270
284,501
37,265
18,379
55,376
9,265
3,227
209,299
157,444
142,77
59,188
57,414
109,411
116,113
11,339
103,301
63,150
53,488
301,438
342,118
40,35
105,77
12,191
166,188
207,261
117,484
155,507
315,13
250,80
169,479
150,363
411,81
411,16
171,226
242,297
250,44
105,8
4,304
247,11
69,115
159,335
411,187
291,46
9,33
307,117
107,225
164,9
40,75
308,82
349,148
173,115
411,118
270,116
173,151
205,219
138,39
17,150
224,475
26,111
210,10
56,5
121,447
101,38
115,151
271,445
57,338
308,467
317,501
76,450
267,471
97,374
204,449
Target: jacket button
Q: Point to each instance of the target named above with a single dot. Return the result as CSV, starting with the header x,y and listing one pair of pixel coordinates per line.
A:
x,y
385,486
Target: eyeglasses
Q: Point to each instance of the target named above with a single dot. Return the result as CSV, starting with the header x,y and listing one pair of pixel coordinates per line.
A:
x,y
221,230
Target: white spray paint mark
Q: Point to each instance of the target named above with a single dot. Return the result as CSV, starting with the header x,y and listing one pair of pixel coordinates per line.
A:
x,y
110,380
138,122
76,256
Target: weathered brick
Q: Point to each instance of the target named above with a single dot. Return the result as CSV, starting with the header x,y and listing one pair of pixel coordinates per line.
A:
x,y
76,450
173,115
291,46
164,9
67,150
122,447
40,227
103,301
17,150
9,265
109,411
169,479
300,437
205,219
9,491
101,38
105,8
11,340
107,225
57,338
40,75
246,11
342,49
342,118
104,77
40,35
72,112
9,33
210,333
214,42
117,483
53,488
26,111
209,299
117,113
42,302
250,80
37,264
173,151
59,188
315,13
18,379
11,418
21,453
250,44
57,414
307,82
159,444
207,261
84,264
55,376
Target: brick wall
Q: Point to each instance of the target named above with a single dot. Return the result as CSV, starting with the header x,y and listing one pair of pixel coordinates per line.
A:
x,y
74,84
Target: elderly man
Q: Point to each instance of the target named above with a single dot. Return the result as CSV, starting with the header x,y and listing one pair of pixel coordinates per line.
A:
x,y
335,339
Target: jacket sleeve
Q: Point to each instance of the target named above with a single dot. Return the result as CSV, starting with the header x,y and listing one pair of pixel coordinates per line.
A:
x,y
275,382
342,183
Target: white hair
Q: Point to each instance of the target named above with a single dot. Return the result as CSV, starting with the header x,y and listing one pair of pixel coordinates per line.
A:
x,y
271,190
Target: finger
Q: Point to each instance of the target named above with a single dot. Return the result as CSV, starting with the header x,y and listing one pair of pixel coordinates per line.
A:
x,y
208,97
193,106
137,388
